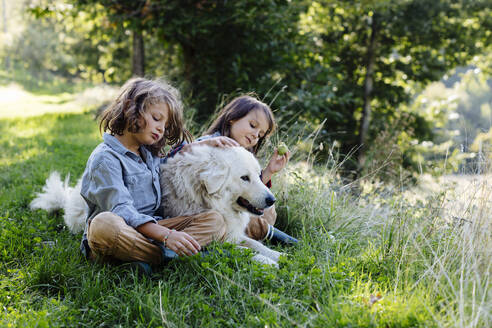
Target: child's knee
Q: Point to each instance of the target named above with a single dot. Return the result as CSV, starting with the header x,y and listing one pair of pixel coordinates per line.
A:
x,y
103,232
216,217
270,215
218,223
104,223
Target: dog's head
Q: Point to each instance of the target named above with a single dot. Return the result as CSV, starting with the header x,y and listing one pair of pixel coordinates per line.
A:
x,y
234,175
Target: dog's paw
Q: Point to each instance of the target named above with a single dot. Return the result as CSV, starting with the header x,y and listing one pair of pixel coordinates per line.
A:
x,y
265,260
274,255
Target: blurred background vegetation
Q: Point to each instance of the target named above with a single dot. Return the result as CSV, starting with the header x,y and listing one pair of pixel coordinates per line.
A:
x,y
393,87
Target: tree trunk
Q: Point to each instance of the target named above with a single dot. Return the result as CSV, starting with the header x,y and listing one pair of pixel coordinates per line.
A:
x,y
368,87
138,57
189,65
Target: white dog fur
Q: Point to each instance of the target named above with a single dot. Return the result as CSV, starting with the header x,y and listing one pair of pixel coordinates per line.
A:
x,y
56,195
211,178
206,178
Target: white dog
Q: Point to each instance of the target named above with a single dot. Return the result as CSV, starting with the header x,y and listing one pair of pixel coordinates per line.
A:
x,y
226,180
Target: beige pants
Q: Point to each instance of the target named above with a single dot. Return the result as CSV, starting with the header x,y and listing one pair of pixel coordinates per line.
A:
x,y
258,225
110,237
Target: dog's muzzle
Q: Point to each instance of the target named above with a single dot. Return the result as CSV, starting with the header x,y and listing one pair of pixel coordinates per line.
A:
x,y
269,201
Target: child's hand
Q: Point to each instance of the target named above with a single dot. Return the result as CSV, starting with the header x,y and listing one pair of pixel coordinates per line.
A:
x,y
276,164
219,142
182,243
222,142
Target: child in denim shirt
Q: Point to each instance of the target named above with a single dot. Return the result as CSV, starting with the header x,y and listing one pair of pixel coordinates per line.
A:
x,y
121,181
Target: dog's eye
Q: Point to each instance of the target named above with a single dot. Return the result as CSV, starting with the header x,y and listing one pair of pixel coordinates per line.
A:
x,y
245,178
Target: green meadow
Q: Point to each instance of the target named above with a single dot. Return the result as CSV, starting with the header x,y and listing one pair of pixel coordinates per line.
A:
x,y
371,255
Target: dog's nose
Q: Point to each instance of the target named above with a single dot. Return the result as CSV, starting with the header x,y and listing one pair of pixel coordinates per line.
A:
x,y
269,200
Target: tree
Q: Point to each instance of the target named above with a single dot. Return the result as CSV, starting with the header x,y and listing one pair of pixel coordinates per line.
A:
x,y
138,54
228,45
382,48
130,15
351,65
224,45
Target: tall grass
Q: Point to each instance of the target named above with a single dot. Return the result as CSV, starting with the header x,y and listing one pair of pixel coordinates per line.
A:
x,y
456,248
371,255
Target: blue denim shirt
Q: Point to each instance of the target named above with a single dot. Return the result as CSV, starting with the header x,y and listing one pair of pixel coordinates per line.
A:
x,y
117,180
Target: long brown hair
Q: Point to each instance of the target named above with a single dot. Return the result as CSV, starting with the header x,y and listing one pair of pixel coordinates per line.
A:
x,y
136,95
237,109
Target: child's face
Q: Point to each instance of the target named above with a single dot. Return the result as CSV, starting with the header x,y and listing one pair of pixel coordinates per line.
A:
x,y
248,129
156,117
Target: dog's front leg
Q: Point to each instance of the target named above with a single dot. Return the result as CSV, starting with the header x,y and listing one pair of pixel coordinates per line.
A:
x,y
260,248
265,260
261,258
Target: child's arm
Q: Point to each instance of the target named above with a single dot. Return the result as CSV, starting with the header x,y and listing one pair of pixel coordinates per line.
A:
x,y
277,163
178,241
214,142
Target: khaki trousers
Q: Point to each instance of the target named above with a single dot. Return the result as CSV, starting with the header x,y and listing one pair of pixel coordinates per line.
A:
x,y
110,237
258,225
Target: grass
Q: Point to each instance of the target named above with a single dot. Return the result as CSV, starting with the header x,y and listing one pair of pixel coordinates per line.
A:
x,y
378,257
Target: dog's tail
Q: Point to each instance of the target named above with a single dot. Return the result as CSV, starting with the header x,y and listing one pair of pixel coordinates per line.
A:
x,y
56,195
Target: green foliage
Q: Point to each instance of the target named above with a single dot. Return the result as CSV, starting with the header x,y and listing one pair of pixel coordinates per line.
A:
x,y
42,48
311,59
223,45
416,42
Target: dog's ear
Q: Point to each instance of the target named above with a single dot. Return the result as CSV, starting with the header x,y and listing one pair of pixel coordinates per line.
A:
x,y
214,177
